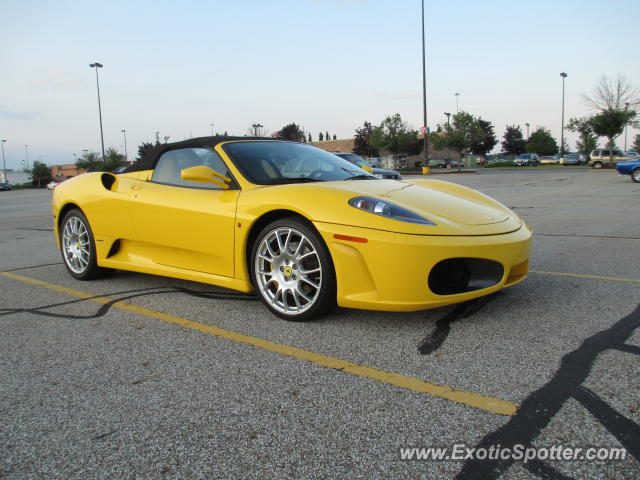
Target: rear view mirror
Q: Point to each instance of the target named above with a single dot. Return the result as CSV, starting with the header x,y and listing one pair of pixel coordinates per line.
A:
x,y
204,174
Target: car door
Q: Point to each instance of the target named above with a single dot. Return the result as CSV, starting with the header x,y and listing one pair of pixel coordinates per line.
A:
x,y
186,224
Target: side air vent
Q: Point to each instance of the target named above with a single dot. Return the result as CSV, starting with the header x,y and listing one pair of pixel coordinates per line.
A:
x,y
460,275
109,181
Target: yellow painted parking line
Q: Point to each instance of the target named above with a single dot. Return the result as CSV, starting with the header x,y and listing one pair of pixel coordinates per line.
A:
x,y
581,275
471,399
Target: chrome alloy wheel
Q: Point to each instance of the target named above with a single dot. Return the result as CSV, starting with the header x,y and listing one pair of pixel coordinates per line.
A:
x,y
288,270
76,246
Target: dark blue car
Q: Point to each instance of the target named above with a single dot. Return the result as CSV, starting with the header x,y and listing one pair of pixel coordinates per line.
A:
x,y
630,167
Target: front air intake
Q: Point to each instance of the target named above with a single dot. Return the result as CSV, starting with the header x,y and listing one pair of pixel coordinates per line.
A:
x,y
460,275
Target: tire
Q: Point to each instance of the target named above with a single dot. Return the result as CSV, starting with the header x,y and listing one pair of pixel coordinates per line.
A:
x,y
292,271
635,175
78,247
597,165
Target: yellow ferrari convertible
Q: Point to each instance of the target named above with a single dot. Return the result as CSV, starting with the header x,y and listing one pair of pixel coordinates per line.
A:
x,y
302,227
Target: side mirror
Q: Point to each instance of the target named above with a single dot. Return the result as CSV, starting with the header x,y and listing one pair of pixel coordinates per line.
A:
x,y
204,174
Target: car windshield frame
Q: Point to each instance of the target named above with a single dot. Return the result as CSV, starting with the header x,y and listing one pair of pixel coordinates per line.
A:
x,y
268,162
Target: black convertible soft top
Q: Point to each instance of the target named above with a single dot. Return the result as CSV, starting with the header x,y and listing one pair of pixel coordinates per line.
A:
x,y
151,156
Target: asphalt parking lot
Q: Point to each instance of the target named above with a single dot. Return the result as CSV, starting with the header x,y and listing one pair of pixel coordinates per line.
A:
x,y
136,376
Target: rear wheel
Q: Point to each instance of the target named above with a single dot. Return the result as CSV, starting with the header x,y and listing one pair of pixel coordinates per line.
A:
x,y
78,247
597,164
292,271
635,175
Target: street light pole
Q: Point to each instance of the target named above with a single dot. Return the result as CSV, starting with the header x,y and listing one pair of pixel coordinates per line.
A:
x,y
4,164
563,75
97,65
448,115
424,95
527,125
457,105
126,155
212,129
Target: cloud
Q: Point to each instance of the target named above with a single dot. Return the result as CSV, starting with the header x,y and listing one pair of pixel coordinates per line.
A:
x,y
12,115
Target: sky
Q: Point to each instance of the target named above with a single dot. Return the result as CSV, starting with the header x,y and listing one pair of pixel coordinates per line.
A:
x,y
177,67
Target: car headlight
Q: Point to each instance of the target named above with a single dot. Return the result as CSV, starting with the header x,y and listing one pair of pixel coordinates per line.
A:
x,y
389,210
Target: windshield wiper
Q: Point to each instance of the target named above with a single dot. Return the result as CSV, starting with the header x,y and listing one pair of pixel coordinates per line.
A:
x,y
362,177
277,181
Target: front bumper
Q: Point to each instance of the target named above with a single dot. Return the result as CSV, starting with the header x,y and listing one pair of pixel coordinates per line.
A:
x,y
390,271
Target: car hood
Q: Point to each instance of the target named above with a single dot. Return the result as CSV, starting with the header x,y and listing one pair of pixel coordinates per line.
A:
x,y
455,210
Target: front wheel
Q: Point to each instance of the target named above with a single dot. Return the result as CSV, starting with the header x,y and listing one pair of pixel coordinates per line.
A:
x,y
78,247
292,271
635,175
597,164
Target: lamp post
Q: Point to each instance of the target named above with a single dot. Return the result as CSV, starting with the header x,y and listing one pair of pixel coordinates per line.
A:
x,y
256,127
26,152
4,164
211,129
457,104
563,75
448,115
527,125
97,65
424,95
126,155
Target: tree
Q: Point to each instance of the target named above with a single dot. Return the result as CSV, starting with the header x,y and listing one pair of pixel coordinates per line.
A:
x,y
614,101
40,172
513,141
487,141
326,136
361,141
334,137
636,144
541,142
88,162
143,149
616,94
113,161
587,141
461,135
310,139
610,124
395,136
292,132
320,137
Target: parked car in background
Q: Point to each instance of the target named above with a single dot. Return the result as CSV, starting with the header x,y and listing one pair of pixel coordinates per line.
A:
x,y
4,187
442,163
550,160
633,154
630,167
572,159
52,184
362,163
527,159
601,156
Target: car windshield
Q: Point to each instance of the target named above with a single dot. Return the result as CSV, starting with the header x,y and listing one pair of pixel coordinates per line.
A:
x,y
524,156
269,162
